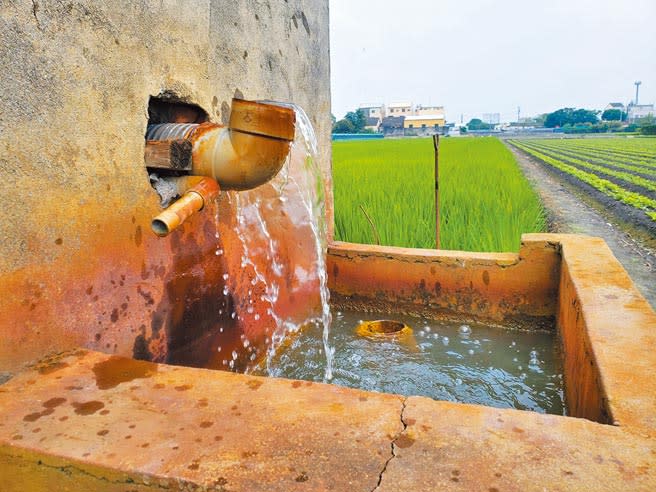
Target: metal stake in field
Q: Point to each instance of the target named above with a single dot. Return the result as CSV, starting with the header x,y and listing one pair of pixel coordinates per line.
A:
x,y
436,146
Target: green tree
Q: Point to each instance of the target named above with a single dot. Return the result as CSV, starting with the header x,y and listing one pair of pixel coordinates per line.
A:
x,y
613,115
357,119
343,126
570,116
478,124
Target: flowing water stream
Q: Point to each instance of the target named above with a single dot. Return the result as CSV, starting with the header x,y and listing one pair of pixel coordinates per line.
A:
x,y
276,281
282,245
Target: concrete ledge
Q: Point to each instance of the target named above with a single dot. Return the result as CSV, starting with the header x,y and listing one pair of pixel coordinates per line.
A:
x,y
95,422
609,338
92,422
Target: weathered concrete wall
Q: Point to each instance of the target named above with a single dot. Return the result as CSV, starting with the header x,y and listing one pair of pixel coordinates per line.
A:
x,y
513,289
608,332
78,263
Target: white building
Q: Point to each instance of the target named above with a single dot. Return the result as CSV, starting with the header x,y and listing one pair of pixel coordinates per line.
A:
x,y
373,110
399,108
637,111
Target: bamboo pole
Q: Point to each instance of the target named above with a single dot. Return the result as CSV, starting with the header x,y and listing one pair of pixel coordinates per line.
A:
x,y
436,147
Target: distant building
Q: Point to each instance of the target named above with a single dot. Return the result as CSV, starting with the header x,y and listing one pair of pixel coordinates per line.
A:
x,y
637,111
429,124
427,110
373,124
373,110
399,109
392,126
492,118
619,106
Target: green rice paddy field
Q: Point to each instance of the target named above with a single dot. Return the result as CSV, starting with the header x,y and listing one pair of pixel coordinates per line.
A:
x,y
485,201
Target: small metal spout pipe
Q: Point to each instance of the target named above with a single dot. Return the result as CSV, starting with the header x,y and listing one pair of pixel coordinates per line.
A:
x,y
196,192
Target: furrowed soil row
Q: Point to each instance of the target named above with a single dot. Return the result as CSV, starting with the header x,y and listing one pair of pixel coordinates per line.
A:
x,y
631,179
648,170
629,206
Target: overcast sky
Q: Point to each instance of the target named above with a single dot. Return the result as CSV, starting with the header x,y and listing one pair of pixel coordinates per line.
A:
x,y
484,56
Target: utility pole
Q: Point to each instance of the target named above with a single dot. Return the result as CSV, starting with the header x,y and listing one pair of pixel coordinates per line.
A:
x,y
518,114
637,84
436,148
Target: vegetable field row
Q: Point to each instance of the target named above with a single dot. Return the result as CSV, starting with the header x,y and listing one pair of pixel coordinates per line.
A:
x,y
622,170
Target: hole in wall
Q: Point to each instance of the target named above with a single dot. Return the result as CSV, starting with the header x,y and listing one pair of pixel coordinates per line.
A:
x,y
169,159
170,109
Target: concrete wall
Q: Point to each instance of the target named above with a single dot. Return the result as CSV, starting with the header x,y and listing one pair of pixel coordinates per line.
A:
x,y
78,263
518,290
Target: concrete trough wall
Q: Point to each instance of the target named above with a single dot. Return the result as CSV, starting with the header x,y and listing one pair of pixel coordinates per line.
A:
x,y
569,283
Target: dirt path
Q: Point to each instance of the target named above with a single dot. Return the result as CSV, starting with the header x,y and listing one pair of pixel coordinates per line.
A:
x,y
572,211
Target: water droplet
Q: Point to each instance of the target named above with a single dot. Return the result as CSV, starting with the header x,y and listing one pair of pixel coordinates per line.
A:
x,y
458,381
445,340
225,276
470,352
233,315
533,354
257,317
234,355
218,349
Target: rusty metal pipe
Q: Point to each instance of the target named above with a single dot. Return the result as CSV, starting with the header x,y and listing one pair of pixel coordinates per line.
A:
x,y
245,154
196,192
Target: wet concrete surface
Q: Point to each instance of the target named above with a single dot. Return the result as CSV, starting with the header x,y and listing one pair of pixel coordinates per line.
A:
x,y
572,211
175,428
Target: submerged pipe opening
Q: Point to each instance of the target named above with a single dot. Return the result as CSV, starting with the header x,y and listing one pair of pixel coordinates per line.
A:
x,y
383,327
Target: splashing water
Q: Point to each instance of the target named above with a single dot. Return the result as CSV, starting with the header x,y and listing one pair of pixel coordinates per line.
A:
x,y
278,276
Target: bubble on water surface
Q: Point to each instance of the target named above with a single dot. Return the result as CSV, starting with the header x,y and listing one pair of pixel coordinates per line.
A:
x,y
464,331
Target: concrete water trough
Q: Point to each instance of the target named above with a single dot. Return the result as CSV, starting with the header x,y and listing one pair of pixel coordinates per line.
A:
x,y
107,331
84,420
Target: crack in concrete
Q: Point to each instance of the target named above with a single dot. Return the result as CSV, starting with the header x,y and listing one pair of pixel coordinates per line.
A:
x,y
70,470
393,446
35,9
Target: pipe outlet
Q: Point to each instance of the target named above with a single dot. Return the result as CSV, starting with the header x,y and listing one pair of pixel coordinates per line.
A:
x,y
196,192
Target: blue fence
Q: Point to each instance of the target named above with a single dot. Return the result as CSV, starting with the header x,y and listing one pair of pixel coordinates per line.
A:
x,y
357,136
